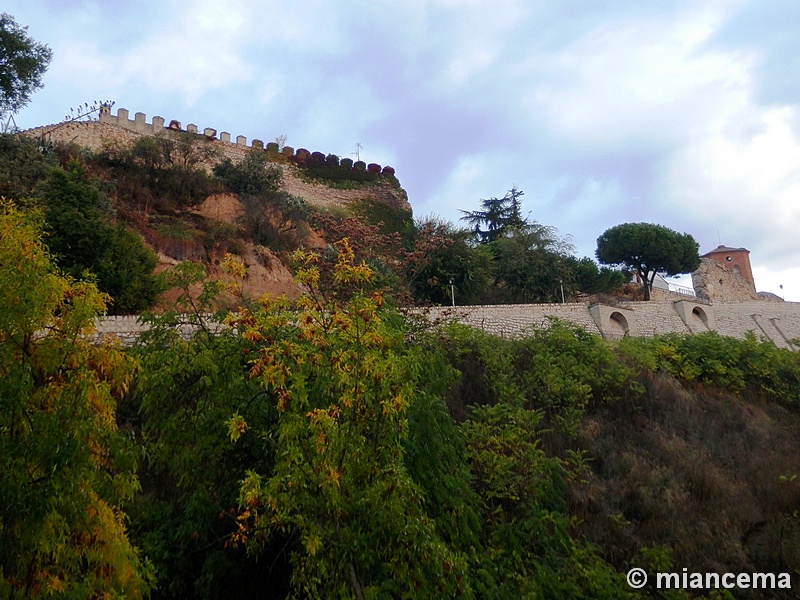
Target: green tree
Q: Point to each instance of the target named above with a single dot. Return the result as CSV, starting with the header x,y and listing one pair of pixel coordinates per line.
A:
x,y
337,372
23,62
648,249
24,163
590,279
65,470
469,267
83,237
183,392
531,265
497,216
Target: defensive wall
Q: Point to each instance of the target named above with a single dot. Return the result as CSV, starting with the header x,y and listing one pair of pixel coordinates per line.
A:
x,y
120,129
725,303
775,321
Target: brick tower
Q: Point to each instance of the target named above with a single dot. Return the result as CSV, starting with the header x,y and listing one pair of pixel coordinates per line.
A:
x,y
736,260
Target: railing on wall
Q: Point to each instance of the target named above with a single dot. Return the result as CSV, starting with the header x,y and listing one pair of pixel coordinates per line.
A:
x,y
682,290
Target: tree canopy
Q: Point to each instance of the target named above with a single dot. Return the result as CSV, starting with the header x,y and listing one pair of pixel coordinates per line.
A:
x,y
23,62
84,238
497,217
648,249
65,470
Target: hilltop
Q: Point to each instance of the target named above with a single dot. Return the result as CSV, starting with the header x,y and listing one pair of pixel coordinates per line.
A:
x,y
198,196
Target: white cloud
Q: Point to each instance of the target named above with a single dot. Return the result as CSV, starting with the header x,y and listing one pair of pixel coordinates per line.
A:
x,y
636,80
746,186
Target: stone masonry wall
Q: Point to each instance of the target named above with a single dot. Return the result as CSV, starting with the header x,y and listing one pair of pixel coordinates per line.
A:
x,y
778,322
119,131
715,283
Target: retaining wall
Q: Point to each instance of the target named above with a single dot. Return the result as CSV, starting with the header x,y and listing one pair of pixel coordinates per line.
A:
x,y
778,322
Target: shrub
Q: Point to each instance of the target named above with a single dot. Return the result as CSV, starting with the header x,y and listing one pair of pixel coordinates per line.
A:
x,y
253,176
724,362
24,163
302,156
83,237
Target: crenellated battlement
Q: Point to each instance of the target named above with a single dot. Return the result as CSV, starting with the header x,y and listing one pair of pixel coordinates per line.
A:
x,y
159,125
120,130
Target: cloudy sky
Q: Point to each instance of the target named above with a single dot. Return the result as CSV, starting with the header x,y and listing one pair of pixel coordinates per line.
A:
x,y
682,113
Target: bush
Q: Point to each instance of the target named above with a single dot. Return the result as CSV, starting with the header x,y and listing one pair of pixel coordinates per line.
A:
x,y
724,362
317,159
253,176
170,167
84,239
24,163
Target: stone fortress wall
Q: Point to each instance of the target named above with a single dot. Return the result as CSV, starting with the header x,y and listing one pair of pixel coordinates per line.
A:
x,y
736,314
120,130
725,302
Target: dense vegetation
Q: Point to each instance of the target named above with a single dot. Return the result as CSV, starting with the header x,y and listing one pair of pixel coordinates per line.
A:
x,y
330,447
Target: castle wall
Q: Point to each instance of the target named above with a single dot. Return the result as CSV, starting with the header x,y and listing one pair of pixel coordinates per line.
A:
x,y
94,135
120,130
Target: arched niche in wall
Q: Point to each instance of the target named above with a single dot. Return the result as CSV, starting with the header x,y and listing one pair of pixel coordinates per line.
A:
x,y
699,318
614,322
618,323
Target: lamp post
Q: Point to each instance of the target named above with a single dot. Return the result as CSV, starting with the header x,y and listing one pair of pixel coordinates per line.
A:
x,y
561,283
452,292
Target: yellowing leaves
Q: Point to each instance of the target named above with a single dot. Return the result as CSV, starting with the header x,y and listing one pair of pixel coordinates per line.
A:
x,y
234,266
312,544
66,528
236,427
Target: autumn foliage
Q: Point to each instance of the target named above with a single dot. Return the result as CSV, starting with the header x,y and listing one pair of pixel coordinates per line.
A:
x,y
65,470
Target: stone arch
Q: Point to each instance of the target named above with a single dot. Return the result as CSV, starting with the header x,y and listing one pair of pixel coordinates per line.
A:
x,y
699,318
619,324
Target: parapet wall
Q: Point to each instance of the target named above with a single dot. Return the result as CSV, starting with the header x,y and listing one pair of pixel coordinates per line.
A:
x,y
120,129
